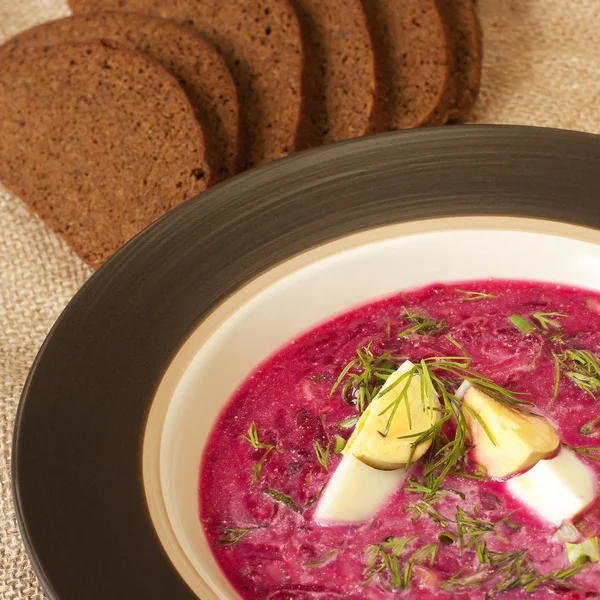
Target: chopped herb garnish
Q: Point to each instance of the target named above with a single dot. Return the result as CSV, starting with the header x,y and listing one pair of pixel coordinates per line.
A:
x,y
322,454
340,444
285,500
580,366
471,296
423,508
591,427
421,324
557,367
522,324
546,322
252,438
592,452
348,423
584,370
384,561
437,374
508,571
232,535
471,530
365,375
315,497
446,538
321,561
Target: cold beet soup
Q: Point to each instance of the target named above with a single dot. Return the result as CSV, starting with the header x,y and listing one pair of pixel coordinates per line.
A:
x,y
443,442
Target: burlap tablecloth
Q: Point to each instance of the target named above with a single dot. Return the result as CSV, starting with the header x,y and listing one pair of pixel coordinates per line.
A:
x,y
542,67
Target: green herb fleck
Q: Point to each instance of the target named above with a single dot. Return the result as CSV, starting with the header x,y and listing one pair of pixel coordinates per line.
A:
x,y
591,427
423,508
349,422
470,296
364,377
340,444
321,561
232,535
285,500
521,323
548,320
421,324
592,452
322,454
447,538
252,438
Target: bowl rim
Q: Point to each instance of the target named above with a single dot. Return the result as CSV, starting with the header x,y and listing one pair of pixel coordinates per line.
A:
x,y
81,420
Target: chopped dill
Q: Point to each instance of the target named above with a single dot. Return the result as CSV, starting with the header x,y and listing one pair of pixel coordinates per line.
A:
x,y
316,497
232,535
447,538
349,422
579,366
423,508
364,377
472,296
321,561
508,571
421,324
252,439
471,530
546,322
522,324
322,454
340,444
384,561
285,500
592,452
592,427
436,374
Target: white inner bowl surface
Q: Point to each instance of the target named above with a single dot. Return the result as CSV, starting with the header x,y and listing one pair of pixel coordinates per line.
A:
x,y
293,297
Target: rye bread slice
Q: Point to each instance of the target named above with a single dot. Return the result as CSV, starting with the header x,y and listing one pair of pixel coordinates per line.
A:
x,y
412,56
342,79
261,44
98,141
466,41
193,61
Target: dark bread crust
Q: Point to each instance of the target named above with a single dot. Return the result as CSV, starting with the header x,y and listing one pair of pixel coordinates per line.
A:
x,y
193,61
413,61
98,141
342,73
467,45
260,41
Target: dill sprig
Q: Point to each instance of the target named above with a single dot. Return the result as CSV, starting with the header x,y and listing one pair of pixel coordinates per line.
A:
x,y
232,535
471,530
581,367
592,452
421,324
349,422
285,500
322,454
472,296
321,561
426,508
384,561
364,377
340,444
508,571
252,439
436,375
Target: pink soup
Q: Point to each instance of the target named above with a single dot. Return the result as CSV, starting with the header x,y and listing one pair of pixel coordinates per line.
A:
x,y
259,489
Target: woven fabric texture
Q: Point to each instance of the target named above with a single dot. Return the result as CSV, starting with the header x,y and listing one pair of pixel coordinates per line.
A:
x,y
541,67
